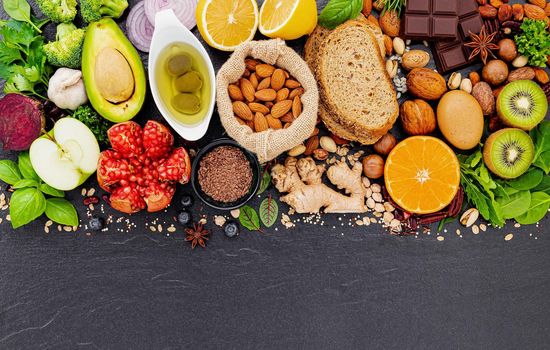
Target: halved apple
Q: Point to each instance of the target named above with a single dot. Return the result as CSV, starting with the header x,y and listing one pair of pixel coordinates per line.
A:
x,y
66,156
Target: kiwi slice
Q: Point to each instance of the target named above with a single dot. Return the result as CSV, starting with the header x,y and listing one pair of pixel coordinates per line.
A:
x,y
508,153
522,104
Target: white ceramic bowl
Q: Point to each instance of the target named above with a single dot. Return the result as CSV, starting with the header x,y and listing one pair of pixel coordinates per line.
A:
x,y
169,30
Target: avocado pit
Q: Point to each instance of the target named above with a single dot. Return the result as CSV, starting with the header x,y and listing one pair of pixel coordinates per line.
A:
x,y
113,75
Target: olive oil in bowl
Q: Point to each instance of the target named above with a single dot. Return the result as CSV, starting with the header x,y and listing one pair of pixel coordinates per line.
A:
x,y
183,83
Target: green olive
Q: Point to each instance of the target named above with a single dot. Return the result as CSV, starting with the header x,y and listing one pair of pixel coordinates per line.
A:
x,y
179,64
186,103
189,82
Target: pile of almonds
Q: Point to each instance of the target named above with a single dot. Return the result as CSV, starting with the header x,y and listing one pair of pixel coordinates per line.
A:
x,y
266,97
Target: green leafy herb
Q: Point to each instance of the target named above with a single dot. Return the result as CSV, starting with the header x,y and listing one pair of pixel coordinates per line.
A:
x,y
266,180
26,183
20,10
96,123
61,211
337,12
527,181
49,190
540,203
534,42
25,166
9,172
26,205
269,211
249,218
515,205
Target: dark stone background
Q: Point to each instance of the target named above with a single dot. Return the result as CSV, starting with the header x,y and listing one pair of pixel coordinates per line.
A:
x,y
312,287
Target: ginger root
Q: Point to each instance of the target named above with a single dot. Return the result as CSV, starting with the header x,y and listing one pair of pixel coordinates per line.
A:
x,y
303,181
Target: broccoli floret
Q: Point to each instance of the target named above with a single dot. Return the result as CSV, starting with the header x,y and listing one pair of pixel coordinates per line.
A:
x,y
59,11
66,51
97,124
94,10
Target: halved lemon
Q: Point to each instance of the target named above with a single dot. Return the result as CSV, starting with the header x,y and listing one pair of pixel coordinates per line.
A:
x,y
226,24
288,19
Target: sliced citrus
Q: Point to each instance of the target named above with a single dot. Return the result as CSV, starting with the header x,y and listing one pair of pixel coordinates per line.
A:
x,y
226,24
288,19
422,174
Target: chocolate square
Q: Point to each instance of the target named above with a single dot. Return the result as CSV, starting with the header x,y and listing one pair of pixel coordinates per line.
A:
x,y
430,19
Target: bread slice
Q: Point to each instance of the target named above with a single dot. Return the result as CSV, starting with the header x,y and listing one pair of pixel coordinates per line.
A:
x,y
355,87
341,131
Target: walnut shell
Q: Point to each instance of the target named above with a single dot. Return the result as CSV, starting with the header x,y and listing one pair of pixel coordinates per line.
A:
x,y
417,117
426,84
415,59
484,95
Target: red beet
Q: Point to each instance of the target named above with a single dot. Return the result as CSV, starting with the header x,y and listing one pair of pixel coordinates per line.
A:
x,y
21,121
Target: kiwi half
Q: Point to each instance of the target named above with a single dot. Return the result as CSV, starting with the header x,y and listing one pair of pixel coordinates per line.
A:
x,y
522,104
508,153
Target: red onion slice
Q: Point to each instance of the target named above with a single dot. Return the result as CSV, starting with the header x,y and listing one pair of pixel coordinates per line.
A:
x,y
139,29
183,9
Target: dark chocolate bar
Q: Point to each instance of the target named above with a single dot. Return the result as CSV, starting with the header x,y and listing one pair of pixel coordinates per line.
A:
x,y
430,19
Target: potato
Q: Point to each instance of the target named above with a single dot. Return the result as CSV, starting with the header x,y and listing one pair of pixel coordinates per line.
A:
x,y
460,119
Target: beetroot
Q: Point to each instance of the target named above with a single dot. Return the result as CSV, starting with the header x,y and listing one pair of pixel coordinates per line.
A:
x,y
21,121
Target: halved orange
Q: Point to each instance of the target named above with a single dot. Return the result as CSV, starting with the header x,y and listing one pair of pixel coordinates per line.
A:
x,y
422,174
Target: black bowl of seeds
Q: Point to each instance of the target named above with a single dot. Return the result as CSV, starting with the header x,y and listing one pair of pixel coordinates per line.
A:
x,y
225,175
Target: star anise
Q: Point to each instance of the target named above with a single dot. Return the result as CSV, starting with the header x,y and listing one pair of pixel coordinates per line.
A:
x,y
197,235
482,45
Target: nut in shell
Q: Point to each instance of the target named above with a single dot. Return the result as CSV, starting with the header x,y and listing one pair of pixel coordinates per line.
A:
x,y
417,117
426,84
469,217
415,59
391,67
454,81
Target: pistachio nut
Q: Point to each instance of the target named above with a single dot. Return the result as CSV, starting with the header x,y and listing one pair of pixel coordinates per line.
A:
x,y
469,217
391,67
466,85
454,81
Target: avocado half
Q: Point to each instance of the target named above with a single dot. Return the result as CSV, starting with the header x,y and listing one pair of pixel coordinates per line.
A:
x,y
104,36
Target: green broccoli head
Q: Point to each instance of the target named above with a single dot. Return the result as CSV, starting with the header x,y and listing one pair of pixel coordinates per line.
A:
x,y
66,51
59,11
94,10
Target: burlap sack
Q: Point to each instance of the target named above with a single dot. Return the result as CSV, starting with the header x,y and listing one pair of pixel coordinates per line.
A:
x,y
268,144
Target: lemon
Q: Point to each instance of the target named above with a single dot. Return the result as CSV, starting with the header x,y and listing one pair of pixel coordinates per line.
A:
x,y
226,24
288,19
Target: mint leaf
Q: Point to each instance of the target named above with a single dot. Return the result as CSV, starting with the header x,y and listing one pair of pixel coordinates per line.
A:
x,y
26,205
49,190
25,183
249,218
9,172
26,168
269,211
61,211
337,12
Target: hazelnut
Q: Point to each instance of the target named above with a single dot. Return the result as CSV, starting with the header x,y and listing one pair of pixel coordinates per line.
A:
x,y
373,166
507,50
385,145
417,117
495,72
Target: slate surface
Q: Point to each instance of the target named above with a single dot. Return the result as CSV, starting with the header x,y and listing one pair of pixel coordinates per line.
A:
x,y
313,287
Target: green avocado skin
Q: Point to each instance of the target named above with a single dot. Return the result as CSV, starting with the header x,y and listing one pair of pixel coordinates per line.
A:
x,y
99,35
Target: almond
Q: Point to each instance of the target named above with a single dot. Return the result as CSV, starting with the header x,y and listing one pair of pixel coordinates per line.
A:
x,y
388,43
539,3
296,107
273,123
269,104
315,132
264,84
282,94
534,12
281,108
242,110
373,20
266,95
242,122
258,108
541,76
235,93
251,64
474,77
292,84
296,92
311,145
254,80
247,89
287,118
260,122
525,73
367,7
264,70
547,9
390,23
278,79
338,140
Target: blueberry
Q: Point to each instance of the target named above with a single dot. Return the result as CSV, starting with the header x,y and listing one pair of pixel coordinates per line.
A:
x,y
184,217
96,223
186,201
231,228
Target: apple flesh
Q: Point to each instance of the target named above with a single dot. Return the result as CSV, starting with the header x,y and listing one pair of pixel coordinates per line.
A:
x,y
66,156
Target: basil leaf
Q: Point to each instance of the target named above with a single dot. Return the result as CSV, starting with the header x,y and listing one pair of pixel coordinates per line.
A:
x,y
269,211
26,205
249,218
338,11
266,180
544,186
25,167
49,190
25,183
61,211
540,203
515,205
9,172
527,181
